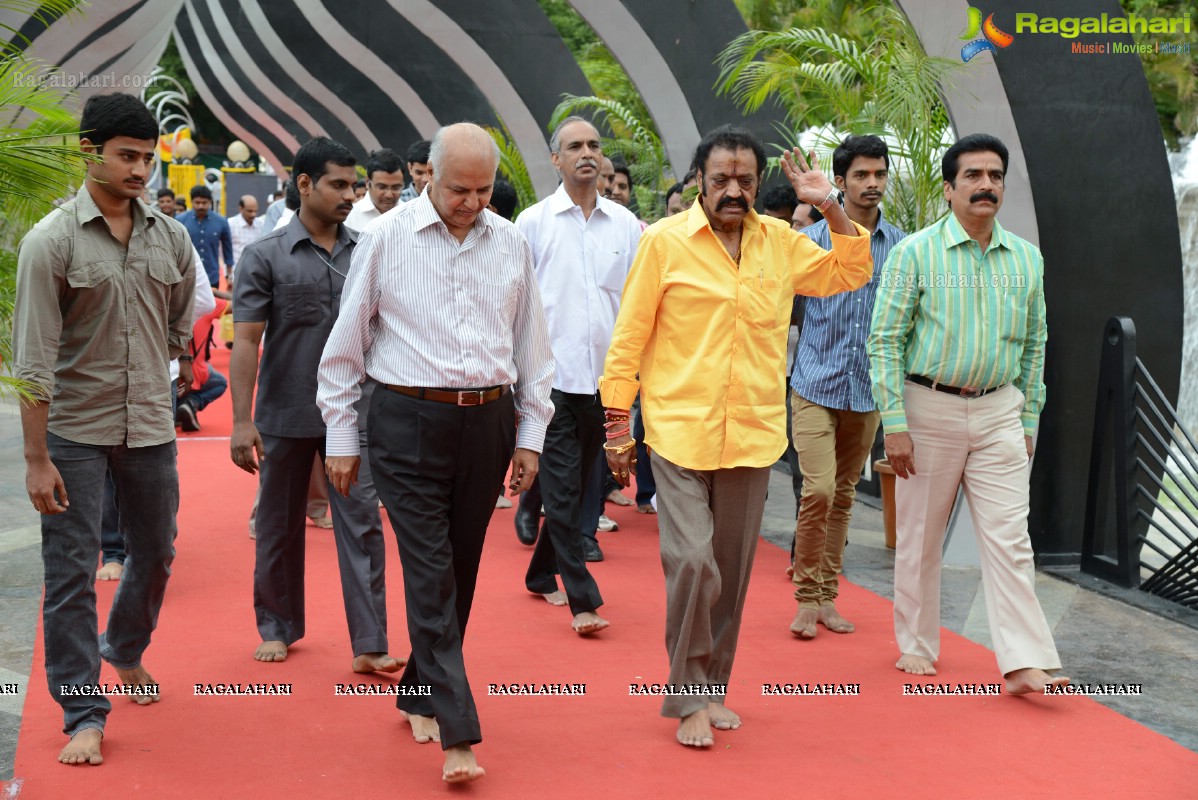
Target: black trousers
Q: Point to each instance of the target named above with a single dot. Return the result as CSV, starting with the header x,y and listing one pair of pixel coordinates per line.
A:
x,y
438,469
572,443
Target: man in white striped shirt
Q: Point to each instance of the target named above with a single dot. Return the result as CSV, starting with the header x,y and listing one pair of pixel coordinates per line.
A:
x,y
442,310
582,247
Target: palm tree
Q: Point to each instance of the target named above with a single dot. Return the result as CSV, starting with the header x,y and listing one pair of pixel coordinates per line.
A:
x,y
40,160
885,85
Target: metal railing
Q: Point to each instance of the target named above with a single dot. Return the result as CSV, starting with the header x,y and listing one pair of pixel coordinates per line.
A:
x,y
1141,525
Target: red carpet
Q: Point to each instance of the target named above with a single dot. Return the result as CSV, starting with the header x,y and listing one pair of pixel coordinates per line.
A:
x,y
604,744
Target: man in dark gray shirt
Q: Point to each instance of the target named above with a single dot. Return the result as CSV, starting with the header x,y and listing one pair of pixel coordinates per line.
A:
x,y
289,287
104,299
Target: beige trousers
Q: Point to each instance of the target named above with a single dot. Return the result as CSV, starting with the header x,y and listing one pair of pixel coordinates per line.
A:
x,y
977,443
832,445
708,523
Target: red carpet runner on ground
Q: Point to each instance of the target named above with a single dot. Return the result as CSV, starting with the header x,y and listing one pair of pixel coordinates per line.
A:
x,y
606,744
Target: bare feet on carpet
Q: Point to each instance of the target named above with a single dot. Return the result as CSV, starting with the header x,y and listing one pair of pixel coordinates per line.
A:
x,y
460,765
377,662
619,498
804,623
112,571
1032,681
694,730
139,677
588,622
646,508
830,618
325,522
915,665
84,748
722,719
271,651
424,729
557,598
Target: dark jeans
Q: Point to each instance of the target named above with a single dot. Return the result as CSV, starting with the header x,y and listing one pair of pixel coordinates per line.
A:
x,y
646,487
147,485
571,442
209,390
112,544
593,496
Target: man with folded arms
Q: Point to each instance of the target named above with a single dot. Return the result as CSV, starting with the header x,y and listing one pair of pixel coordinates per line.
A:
x,y
957,358
442,311
703,321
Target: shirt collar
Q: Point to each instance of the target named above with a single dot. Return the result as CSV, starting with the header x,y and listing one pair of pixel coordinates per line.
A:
x,y
295,234
697,220
86,210
561,201
954,234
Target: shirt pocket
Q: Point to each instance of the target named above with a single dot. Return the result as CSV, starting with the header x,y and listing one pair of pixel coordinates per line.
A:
x,y
91,274
163,271
611,270
1014,306
760,303
301,303
495,287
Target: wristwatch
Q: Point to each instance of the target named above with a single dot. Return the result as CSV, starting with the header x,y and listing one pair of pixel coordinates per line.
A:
x,y
829,200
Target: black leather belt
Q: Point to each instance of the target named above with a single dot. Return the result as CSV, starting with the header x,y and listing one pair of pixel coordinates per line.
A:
x,y
967,391
458,397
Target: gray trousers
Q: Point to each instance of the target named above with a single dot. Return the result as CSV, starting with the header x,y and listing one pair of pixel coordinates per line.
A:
x,y
708,522
279,548
147,486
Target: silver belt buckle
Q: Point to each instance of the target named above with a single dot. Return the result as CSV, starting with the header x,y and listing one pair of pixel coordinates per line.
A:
x,y
970,392
477,395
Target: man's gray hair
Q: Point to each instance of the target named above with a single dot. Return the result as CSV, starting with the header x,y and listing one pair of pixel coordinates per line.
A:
x,y
555,141
436,151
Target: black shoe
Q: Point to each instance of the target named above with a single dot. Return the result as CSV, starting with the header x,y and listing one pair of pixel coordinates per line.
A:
x,y
526,526
590,550
185,416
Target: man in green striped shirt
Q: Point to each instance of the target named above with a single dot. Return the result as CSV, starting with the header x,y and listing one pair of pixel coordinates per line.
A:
x,y
957,357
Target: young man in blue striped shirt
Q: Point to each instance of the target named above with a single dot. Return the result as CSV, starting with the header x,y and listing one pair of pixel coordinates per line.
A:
x,y
833,417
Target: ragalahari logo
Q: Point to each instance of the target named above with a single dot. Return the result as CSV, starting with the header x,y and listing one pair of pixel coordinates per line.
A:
x,y
991,37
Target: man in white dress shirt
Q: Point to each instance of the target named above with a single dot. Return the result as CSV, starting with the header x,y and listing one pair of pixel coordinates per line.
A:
x,y
442,310
582,246
244,227
384,183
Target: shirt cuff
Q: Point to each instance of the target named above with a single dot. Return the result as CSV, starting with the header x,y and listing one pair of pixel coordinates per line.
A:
x,y
894,421
1030,421
530,436
617,393
341,441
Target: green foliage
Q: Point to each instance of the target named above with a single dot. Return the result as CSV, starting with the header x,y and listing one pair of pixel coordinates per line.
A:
x,y
209,131
1172,78
39,157
883,84
570,26
513,169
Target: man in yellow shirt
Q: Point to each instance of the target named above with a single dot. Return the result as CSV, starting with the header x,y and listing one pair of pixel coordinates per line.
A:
x,y
703,322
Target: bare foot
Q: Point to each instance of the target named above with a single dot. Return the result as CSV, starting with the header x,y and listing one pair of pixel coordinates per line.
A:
x,y
830,618
139,677
790,571
588,622
377,662
804,623
619,498
325,522
503,502
460,765
271,651
424,729
84,748
556,598
722,719
1030,680
112,571
695,729
646,508
915,665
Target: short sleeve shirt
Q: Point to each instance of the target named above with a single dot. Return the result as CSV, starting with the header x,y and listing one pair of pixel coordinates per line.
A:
x,y
293,285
